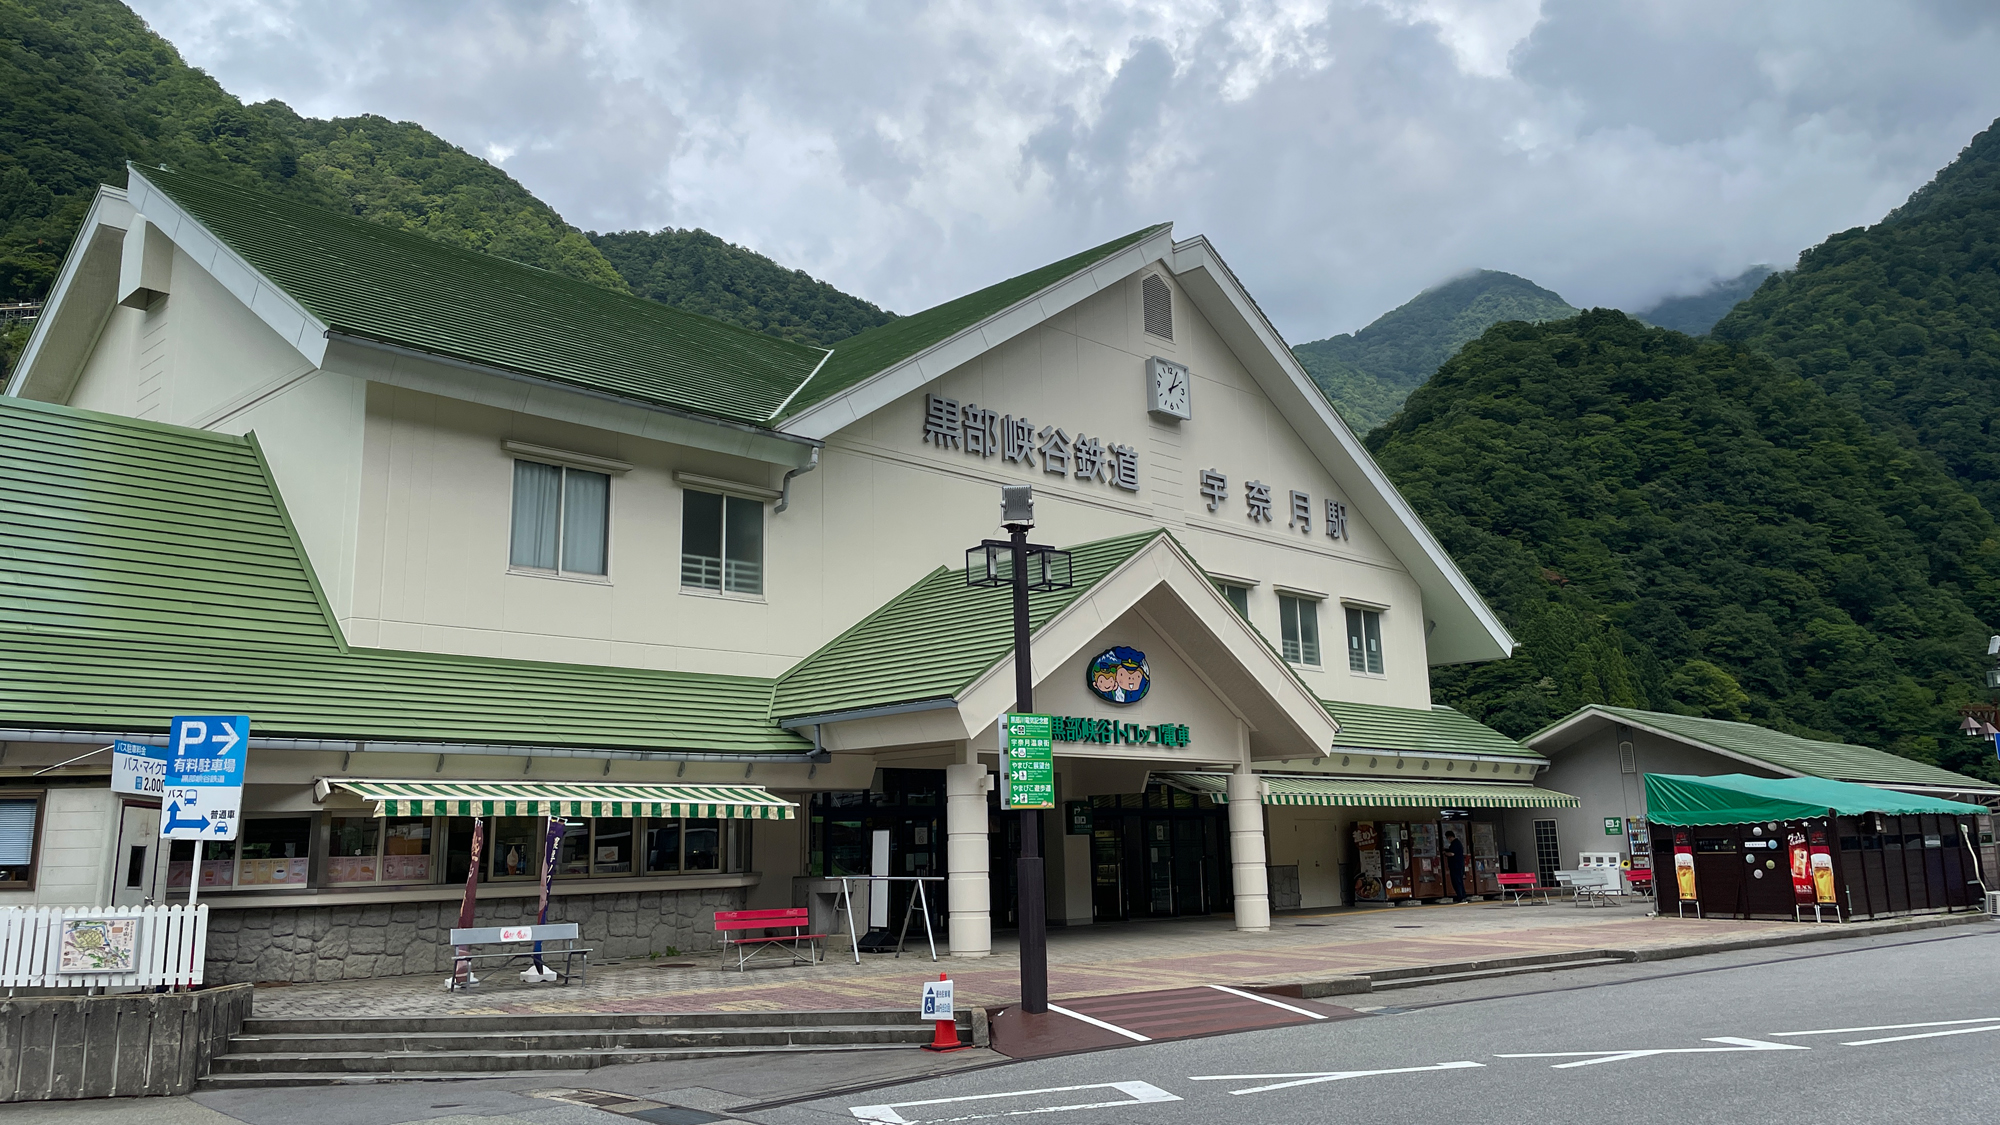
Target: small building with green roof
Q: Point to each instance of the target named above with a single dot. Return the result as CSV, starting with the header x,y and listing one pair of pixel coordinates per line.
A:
x,y
474,545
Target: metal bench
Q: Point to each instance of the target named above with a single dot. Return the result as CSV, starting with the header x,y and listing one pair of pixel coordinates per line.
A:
x,y
748,949
515,937
1521,885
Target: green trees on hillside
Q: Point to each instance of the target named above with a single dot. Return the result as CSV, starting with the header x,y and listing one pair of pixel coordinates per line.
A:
x,y
1368,373
85,86
1902,319
1685,526
696,271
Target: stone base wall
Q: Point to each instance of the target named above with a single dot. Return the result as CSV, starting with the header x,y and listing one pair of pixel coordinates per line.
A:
x,y
129,1045
316,943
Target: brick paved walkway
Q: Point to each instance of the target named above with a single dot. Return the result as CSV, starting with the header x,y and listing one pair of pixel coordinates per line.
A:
x,y
1086,961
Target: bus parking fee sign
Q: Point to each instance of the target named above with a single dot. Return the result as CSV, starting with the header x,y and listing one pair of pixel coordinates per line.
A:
x,y
202,798
1028,778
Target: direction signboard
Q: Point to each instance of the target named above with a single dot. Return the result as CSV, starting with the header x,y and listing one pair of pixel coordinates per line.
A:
x,y
1028,780
137,769
202,793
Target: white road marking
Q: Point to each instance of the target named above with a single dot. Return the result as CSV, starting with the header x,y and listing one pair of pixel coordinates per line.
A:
x,y
1922,1035
1886,1027
1095,1022
1592,1058
1308,1078
1267,1000
1136,1093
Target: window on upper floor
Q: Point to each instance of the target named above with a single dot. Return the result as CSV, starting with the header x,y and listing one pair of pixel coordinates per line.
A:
x,y
1238,596
722,543
20,816
1298,629
1364,640
562,519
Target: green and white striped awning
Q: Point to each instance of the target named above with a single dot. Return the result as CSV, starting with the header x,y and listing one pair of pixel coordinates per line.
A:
x,y
564,798
1367,793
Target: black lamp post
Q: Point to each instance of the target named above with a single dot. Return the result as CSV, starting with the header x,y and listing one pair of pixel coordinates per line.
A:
x,y
1025,566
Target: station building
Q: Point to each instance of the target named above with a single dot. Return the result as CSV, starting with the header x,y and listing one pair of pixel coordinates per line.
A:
x,y
469,540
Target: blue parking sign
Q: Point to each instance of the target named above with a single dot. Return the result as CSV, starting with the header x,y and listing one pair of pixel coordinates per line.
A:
x,y
202,798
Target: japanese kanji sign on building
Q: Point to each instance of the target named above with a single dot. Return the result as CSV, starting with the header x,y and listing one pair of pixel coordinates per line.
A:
x,y
948,424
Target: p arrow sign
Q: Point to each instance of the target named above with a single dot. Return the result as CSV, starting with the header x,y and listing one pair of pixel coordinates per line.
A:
x,y
203,795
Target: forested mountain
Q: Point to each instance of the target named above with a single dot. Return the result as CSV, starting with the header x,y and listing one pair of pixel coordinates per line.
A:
x,y
86,86
701,273
1696,313
1368,373
1903,318
1687,526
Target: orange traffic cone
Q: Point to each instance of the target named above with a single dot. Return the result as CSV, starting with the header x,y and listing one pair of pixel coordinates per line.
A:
x,y
946,1037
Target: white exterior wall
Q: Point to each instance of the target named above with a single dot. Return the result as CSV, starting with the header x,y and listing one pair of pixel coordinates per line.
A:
x,y
78,830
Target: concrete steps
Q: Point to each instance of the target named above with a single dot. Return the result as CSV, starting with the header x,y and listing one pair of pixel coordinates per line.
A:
x,y
291,1052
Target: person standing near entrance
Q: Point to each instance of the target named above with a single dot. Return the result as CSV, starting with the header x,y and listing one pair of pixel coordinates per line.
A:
x,y
1455,864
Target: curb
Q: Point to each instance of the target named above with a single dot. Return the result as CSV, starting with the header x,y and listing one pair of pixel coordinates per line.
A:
x,y
1347,984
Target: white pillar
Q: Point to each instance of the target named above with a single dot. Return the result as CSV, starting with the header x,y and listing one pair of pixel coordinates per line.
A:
x,y
1246,851
966,891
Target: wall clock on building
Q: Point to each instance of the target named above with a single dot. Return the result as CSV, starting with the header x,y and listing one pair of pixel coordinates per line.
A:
x,y
1169,389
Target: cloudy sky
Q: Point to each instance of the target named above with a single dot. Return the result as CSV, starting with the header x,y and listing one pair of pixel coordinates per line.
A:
x,y
1341,155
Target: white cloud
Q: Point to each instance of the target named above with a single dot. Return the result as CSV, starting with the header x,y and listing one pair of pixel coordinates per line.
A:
x,y
1342,155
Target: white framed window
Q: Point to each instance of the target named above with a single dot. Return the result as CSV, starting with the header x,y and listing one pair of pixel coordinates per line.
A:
x,y
1298,629
1364,641
1238,596
722,543
562,519
20,820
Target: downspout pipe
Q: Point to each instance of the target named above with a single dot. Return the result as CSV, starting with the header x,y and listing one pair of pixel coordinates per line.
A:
x,y
785,486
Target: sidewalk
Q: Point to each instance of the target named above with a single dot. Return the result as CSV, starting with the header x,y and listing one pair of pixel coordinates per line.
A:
x,y
1084,961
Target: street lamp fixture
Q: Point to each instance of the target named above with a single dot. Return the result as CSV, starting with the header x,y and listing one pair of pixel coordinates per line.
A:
x,y
1025,567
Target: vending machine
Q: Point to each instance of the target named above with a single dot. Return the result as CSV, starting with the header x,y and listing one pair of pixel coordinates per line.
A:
x,y
1427,871
1482,868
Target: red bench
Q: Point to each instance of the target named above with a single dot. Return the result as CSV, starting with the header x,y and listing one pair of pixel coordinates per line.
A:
x,y
749,948
1520,885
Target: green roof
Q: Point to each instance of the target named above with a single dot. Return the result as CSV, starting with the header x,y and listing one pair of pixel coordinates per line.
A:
x,y
1837,761
394,286
1735,798
1370,727
884,346
401,288
934,639
148,570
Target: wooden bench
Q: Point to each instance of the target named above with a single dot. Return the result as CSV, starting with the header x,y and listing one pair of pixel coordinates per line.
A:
x,y
1521,885
748,949
514,937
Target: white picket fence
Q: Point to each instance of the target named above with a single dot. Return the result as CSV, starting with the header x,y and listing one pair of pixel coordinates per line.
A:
x,y
168,948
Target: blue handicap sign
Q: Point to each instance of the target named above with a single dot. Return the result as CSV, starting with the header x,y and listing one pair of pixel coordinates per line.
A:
x,y
202,796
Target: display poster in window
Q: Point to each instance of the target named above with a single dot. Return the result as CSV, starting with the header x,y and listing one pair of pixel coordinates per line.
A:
x,y
98,945
1028,775
1684,864
1801,858
1821,858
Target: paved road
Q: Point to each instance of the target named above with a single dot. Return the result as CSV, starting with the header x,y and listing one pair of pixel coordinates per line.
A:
x,y
1444,1047
1813,1036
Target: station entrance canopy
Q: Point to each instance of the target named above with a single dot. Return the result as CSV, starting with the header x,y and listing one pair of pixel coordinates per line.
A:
x,y
396,797
1735,798
1360,793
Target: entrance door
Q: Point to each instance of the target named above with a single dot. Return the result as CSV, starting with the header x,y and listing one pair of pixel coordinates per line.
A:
x,y
132,870
1159,868
1107,869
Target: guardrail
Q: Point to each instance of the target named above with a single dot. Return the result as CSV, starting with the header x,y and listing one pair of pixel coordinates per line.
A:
x,y
95,947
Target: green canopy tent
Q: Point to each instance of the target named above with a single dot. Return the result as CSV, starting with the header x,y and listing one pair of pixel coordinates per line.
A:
x,y
1736,798
1772,847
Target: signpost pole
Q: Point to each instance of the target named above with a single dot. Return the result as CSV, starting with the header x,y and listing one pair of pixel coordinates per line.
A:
x,y
1032,900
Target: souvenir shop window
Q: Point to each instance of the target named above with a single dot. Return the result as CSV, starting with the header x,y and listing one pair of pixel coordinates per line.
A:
x,y
218,863
562,519
675,847
409,849
274,851
514,847
20,817
722,543
611,846
353,849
